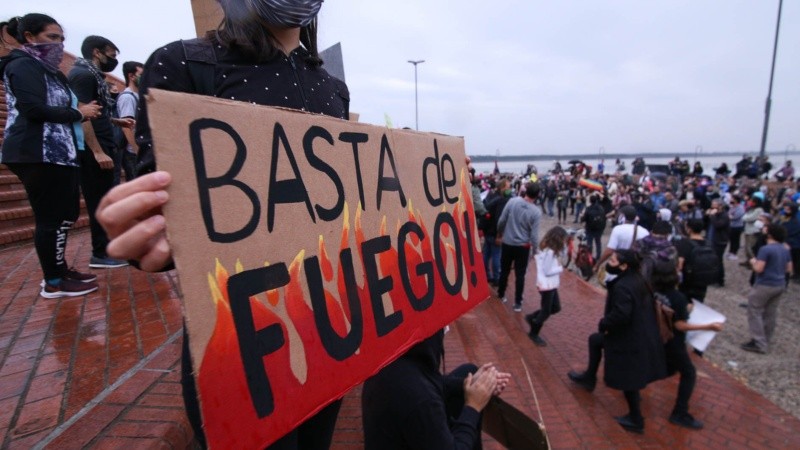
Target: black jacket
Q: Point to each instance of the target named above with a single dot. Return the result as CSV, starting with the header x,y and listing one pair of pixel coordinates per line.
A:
x,y
403,405
634,354
289,82
39,127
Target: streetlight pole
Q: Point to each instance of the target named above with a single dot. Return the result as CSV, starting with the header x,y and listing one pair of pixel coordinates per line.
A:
x,y
416,97
771,76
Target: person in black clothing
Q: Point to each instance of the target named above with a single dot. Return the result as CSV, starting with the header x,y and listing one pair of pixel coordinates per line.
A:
x,y
258,58
665,281
628,335
41,147
410,404
719,234
692,289
595,220
87,80
491,251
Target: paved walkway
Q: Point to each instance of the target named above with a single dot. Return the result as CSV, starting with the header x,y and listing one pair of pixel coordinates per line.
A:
x,y
102,371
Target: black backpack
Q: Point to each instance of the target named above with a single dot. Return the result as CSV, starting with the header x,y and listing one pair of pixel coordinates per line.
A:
x,y
595,218
701,267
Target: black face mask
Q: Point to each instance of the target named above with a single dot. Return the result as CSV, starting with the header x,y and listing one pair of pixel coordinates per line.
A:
x,y
109,65
613,270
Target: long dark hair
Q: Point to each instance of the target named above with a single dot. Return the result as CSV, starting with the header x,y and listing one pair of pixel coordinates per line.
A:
x,y
33,23
242,30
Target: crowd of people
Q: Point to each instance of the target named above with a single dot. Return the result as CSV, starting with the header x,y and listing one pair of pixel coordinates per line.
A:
x,y
67,134
669,236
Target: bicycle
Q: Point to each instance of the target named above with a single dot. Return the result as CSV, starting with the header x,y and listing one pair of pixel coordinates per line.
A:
x,y
581,257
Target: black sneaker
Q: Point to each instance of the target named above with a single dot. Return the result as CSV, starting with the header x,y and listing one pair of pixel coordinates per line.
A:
x,y
517,307
685,420
583,380
73,274
752,347
538,340
636,426
67,288
96,262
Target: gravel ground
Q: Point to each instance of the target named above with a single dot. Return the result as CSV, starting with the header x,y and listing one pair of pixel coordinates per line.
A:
x,y
775,375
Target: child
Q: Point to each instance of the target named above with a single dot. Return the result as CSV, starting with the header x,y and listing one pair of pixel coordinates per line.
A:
x,y
548,271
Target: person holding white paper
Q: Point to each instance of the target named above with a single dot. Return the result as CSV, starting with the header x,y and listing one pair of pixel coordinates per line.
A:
x,y
665,283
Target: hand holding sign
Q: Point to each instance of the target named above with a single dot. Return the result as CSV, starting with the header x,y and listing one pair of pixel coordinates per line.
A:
x,y
131,215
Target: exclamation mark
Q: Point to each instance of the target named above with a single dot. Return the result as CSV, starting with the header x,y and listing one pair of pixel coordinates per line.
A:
x,y
473,278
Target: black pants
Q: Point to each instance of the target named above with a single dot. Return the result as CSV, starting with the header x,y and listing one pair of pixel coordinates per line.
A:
x,y
678,359
596,344
551,304
55,199
129,165
596,237
735,239
719,249
315,433
518,256
95,183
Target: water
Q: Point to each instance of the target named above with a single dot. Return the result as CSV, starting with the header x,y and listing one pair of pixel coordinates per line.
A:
x,y
709,162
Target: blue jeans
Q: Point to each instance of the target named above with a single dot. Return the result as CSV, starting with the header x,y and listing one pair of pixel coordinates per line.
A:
x,y
578,210
551,202
491,259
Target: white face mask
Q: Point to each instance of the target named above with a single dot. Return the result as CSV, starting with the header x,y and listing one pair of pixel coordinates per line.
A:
x,y
758,224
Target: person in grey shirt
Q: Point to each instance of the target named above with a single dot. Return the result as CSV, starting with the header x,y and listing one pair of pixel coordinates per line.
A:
x,y
518,232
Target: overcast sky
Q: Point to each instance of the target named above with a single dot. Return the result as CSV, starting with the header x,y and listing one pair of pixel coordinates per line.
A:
x,y
532,76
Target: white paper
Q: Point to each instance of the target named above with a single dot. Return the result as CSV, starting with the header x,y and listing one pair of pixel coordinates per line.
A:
x,y
702,315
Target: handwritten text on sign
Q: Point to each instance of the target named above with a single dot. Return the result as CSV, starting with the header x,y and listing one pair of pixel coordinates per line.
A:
x,y
311,252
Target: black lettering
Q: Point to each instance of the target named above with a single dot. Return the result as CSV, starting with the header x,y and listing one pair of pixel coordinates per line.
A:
x,y
331,214
446,219
339,348
255,344
355,139
433,200
423,269
388,183
292,190
205,184
448,182
379,286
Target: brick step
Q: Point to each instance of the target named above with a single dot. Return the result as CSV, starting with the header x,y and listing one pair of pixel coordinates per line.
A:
x,y
10,182
13,199
9,215
25,232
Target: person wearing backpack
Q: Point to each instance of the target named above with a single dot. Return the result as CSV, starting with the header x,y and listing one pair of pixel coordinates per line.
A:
x,y
697,262
664,282
127,105
595,219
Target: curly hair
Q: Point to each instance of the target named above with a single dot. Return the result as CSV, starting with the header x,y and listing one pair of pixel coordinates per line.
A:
x,y
554,239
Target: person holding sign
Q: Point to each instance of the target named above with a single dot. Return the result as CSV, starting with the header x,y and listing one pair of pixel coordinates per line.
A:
x,y
263,52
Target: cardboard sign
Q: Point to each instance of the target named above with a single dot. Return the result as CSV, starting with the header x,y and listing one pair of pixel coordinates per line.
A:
x,y
311,252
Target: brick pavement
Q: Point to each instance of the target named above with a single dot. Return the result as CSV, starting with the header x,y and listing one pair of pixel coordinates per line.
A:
x,y
102,371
